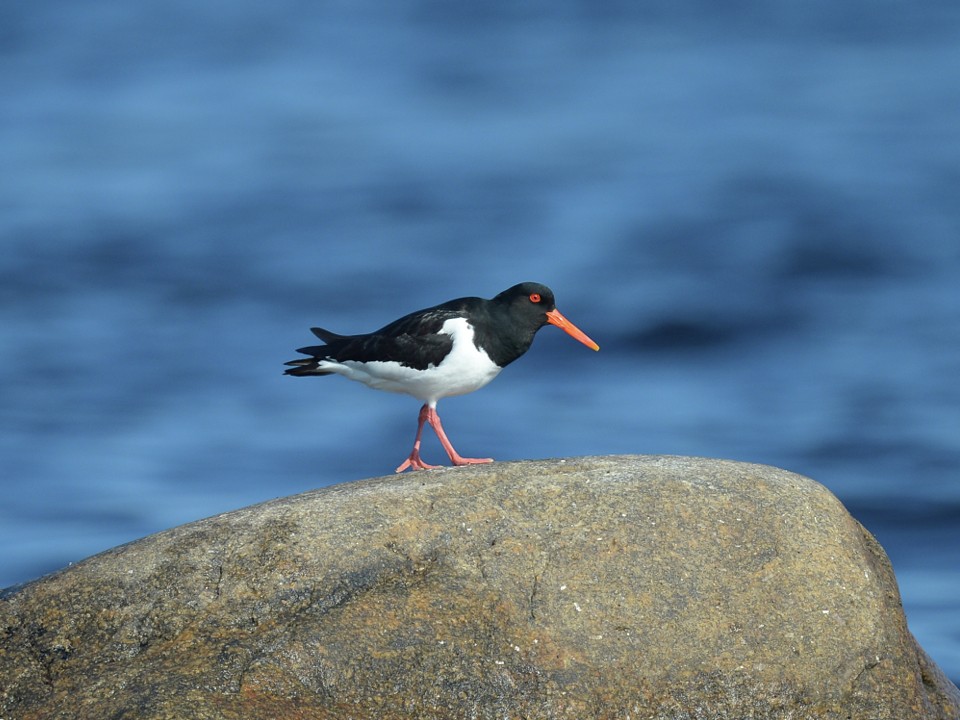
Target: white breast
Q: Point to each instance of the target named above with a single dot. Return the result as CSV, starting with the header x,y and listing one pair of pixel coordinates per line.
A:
x,y
463,370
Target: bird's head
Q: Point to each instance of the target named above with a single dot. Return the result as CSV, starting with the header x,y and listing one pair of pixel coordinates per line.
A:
x,y
533,304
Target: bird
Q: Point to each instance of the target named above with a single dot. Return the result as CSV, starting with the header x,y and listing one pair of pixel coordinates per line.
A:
x,y
443,351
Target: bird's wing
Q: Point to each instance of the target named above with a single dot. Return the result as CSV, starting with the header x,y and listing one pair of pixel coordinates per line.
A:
x,y
414,340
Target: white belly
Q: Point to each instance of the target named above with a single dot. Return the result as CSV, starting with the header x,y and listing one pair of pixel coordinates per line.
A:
x,y
463,370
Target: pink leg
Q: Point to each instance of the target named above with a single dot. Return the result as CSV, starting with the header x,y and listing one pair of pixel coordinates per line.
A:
x,y
455,458
414,460
429,415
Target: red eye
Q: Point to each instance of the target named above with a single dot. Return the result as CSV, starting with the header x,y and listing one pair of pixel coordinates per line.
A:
x,y
535,298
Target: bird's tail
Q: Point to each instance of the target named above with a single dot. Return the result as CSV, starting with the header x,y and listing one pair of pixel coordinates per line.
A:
x,y
326,335
311,365
305,367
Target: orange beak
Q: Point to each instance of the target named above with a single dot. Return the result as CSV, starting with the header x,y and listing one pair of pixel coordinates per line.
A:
x,y
555,318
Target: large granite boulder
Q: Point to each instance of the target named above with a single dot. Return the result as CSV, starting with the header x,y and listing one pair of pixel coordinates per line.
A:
x,y
606,587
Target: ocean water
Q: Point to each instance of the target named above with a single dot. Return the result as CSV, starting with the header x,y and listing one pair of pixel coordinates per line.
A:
x,y
755,211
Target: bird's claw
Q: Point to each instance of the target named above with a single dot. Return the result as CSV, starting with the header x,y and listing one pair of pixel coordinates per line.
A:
x,y
470,461
415,463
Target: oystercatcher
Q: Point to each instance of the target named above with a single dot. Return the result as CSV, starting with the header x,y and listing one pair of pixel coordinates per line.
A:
x,y
450,349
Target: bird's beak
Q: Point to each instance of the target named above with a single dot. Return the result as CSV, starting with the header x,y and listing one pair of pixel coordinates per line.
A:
x,y
555,318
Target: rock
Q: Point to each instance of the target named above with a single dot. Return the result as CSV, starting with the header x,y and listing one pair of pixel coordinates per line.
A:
x,y
608,587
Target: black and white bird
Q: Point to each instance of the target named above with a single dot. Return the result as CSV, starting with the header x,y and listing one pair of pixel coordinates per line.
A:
x,y
450,349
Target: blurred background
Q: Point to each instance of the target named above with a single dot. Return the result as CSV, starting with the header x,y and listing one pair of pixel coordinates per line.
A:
x,y
754,210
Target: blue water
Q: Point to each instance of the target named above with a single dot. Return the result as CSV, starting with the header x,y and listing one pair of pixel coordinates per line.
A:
x,y
755,211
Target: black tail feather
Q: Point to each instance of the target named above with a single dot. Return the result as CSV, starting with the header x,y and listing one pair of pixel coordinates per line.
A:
x,y
326,335
304,368
316,351
310,365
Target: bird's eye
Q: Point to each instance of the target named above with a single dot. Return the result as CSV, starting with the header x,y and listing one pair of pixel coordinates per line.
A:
x,y
535,297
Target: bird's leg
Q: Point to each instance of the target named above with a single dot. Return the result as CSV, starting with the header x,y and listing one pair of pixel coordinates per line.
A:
x,y
434,420
414,460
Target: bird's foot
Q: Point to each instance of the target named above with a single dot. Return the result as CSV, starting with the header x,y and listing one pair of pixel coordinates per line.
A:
x,y
457,460
415,463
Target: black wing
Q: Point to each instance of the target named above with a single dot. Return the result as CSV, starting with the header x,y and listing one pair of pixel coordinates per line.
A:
x,y
413,341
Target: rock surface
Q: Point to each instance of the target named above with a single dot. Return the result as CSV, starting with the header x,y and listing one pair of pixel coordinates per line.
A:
x,y
608,587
